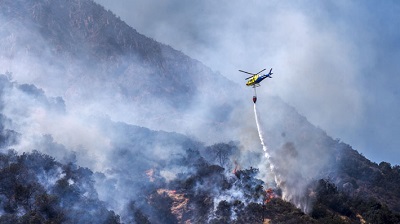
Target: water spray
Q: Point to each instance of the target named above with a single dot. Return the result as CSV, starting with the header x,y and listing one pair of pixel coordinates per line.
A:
x,y
292,188
264,146
260,133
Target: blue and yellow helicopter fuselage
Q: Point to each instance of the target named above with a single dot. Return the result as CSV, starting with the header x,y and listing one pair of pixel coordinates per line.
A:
x,y
256,79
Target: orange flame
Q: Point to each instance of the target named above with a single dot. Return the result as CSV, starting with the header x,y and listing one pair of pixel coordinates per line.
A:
x,y
236,167
269,195
179,205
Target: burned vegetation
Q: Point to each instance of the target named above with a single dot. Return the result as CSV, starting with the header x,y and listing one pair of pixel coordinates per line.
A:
x,y
35,188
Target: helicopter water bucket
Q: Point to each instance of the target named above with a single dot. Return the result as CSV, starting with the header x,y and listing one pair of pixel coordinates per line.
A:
x,y
254,99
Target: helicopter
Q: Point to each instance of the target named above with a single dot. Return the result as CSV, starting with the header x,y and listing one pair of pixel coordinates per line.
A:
x,y
255,79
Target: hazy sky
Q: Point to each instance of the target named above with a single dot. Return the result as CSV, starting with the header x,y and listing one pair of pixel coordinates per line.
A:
x,y
336,62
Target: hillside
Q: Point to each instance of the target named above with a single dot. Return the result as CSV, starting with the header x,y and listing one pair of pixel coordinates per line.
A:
x,y
100,124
